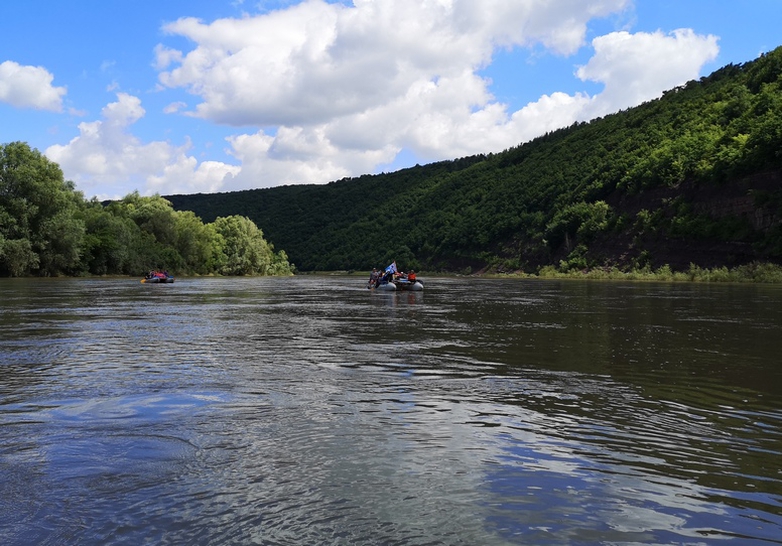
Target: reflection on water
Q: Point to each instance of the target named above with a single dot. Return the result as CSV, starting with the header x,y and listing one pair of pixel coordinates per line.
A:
x,y
310,410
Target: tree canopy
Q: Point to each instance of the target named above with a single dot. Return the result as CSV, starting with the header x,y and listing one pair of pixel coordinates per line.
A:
x,y
48,229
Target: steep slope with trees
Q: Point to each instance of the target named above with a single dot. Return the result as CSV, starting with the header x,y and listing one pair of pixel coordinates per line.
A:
x,y
693,177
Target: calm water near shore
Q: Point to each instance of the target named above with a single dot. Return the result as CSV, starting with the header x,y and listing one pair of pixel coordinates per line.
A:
x,y
309,410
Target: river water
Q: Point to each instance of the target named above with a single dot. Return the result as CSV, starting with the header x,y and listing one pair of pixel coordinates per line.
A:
x,y
309,410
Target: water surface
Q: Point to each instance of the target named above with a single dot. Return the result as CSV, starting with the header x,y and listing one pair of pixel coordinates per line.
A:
x,y
309,410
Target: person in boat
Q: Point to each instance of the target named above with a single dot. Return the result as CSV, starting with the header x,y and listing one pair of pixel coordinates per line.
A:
x,y
411,276
373,277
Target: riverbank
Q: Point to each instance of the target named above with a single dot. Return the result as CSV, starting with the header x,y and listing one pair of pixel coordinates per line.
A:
x,y
756,272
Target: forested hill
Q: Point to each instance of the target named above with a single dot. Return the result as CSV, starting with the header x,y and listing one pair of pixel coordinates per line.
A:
x,y
694,177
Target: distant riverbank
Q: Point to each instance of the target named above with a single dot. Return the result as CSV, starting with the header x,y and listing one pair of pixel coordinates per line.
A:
x,y
756,272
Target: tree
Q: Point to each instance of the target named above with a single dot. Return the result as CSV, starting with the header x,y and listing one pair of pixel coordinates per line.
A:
x,y
198,244
245,252
17,256
39,223
110,241
154,215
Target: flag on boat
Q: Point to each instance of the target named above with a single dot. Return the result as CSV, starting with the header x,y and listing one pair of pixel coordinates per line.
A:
x,y
391,268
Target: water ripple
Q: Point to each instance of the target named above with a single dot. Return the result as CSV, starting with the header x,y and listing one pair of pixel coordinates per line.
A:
x,y
312,411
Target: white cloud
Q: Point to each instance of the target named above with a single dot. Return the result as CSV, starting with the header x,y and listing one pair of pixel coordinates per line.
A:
x,y
330,90
174,107
315,62
639,67
164,57
347,88
549,113
29,87
295,156
183,174
106,154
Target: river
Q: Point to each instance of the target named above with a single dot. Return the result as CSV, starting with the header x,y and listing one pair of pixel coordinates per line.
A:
x,y
309,410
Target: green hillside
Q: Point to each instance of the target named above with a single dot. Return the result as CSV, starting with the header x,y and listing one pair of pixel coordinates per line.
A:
x,y
692,178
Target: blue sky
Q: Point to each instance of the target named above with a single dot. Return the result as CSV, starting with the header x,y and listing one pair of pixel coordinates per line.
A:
x,y
207,95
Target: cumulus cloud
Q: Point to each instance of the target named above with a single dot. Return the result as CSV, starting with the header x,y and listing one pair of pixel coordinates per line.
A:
x,y
29,87
107,154
318,61
327,90
343,89
639,67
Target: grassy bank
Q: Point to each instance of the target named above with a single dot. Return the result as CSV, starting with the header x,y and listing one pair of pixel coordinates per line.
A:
x,y
755,272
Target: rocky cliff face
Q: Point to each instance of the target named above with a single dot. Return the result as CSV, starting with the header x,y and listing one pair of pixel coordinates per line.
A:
x,y
756,198
748,210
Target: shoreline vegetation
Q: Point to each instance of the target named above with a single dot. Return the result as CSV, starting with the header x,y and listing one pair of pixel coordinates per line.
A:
x,y
756,272
48,229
